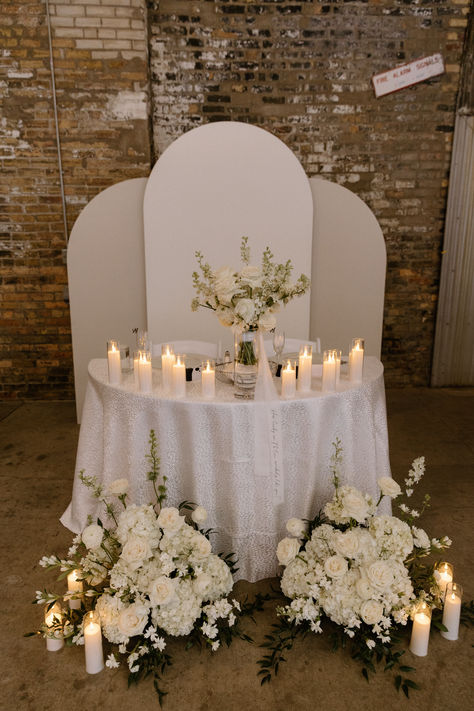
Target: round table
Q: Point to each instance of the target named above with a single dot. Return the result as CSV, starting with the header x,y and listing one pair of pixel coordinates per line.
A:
x,y
208,452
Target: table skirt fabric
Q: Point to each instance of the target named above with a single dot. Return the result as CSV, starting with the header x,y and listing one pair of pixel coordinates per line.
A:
x,y
207,451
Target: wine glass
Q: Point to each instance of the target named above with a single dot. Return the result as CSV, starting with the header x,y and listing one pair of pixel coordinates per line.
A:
x,y
278,343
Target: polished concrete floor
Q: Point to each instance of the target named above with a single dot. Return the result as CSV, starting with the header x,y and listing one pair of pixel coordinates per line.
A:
x,y
37,452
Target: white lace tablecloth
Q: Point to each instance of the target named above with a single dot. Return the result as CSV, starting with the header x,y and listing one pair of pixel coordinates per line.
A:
x,y
207,451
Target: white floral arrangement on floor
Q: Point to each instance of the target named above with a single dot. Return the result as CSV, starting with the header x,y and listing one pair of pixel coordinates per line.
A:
x,y
247,299
148,574
360,570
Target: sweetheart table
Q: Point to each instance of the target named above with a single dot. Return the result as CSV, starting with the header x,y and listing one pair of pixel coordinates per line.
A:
x,y
208,452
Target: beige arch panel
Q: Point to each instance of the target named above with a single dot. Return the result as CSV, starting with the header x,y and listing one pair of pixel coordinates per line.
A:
x,y
349,264
213,185
106,271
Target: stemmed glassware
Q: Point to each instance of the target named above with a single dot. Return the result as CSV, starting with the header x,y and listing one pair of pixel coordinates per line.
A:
x,y
278,343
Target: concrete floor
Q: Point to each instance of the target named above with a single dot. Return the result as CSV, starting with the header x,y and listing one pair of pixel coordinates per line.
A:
x,y
37,452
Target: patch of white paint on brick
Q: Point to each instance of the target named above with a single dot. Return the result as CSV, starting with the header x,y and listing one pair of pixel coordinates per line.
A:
x,y
128,105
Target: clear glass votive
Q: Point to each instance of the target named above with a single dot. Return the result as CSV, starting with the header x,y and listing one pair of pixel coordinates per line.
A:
x,y
53,620
125,359
443,574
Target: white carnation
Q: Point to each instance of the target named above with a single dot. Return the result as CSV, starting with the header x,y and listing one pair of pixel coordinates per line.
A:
x,y
199,515
389,487
170,520
296,527
92,536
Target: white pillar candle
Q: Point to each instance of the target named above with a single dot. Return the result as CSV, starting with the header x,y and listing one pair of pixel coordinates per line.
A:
x,y
179,377
305,363
443,575
329,372
53,618
136,360
338,367
208,379
288,380
420,633
74,586
113,361
93,643
168,359
356,360
452,611
145,377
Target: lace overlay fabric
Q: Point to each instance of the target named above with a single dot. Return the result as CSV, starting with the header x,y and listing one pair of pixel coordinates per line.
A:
x,y
208,451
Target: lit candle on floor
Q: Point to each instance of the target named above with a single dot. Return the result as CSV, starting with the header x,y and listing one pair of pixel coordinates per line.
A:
x,y
145,376
288,380
93,643
452,611
113,361
179,377
168,359
329,372
356,360
305,363
208,379
420,633
53,619
74,586
443,575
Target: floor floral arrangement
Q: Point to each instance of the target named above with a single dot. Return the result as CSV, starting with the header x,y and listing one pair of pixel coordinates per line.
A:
x,y
146,575
363,572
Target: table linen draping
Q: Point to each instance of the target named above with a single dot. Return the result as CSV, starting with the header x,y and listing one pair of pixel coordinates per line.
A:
x,y
208,452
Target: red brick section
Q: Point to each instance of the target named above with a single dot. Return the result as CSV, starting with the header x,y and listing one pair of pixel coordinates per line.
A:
x,y
303,71
102,93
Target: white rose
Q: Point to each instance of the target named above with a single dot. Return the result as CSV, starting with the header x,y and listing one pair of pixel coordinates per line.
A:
x,y
245,308
287,549
355,505
420,537
162,590
296,527
199,515
389,487
201,545
225,284
118,487
335,566
371,612
170,520
380,574
267,321
135,551
364,589
347,543
92,536
251,275
201,583
132,619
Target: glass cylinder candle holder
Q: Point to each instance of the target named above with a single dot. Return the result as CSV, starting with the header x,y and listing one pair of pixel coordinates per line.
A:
x,y
143,341
125,359
74,585
288,380
305,363
113,362
145,378
356,360
338,366
135,362
93,643
208,379
53,620
329,371
420,633
443,574
168,359
452,611
179,376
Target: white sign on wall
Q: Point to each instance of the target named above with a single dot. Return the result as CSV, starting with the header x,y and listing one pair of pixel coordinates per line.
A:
x,y
407,74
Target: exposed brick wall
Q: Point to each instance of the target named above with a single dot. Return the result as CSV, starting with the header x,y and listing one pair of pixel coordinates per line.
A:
x,y
303,71
101,69
299,69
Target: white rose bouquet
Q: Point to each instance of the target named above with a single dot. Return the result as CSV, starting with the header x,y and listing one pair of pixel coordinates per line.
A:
x,y
149,574
360,570
247,299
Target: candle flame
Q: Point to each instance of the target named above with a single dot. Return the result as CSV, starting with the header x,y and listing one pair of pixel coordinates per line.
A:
x,y
288,368
208,367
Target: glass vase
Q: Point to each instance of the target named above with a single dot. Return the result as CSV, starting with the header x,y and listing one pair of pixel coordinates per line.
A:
x,y
245,363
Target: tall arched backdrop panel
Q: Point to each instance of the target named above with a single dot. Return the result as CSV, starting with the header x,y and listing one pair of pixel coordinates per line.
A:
x,y
213,185
106,273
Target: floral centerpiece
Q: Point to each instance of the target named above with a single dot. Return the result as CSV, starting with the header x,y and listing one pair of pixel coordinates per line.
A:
x,y
360,570
149,574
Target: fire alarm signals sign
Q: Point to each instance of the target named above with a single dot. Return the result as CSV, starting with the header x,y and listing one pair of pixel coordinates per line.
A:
x,y
407,74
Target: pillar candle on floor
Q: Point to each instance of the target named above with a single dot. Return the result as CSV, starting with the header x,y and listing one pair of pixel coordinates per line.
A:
x,y
74,586
452,611
53,619
420,633
93,643
443,575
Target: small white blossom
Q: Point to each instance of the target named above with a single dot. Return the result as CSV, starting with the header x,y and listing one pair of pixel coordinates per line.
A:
x,y
112,662
370,643
215,645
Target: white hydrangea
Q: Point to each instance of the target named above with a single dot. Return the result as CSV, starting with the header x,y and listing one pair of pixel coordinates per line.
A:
x,y
138,521
179,616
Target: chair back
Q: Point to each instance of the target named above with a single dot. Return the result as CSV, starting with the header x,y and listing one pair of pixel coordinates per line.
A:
x,y
205,348
292,345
